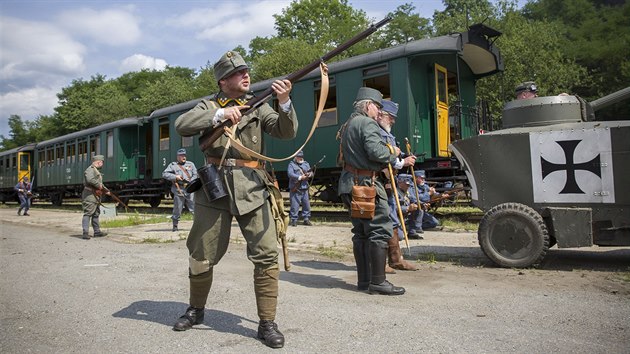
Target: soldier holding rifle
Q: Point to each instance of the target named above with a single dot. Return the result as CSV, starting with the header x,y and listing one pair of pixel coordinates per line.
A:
x,y
299,172
180,173
364,155
236,186
93,188
24,191
425,193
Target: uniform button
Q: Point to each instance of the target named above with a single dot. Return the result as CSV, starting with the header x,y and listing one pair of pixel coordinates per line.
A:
x,y
255,139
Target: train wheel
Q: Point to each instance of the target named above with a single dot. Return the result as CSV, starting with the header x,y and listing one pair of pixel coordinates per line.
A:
x,y
513,235
56,199
155,202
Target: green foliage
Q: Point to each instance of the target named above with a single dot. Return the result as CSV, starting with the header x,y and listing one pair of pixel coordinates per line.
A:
x,y
405,26
284,56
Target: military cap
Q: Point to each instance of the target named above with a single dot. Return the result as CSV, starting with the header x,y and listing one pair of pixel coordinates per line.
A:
x,y
98,158
300,154
419,173
228,64
391,108
367,93
403,177
181,152
526,86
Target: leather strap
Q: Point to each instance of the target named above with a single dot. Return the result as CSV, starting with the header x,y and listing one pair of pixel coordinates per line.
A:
x,y
235,162
320,108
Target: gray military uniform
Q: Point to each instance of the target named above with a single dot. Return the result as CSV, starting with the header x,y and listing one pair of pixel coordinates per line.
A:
x,y
92,182
188,173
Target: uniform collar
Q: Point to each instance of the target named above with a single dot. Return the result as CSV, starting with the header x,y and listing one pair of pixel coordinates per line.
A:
x,y
224,101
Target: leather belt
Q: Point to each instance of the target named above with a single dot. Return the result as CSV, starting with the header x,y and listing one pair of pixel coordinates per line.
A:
x,y
359,172
235,162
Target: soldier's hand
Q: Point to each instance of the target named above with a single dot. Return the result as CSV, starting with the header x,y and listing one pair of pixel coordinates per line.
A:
x,y
234,113
282,88
108,193
409,160
178,178
20,190
413,207
397,150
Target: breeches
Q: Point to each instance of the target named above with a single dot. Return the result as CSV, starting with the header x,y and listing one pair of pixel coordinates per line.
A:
x,y
300,197
180,201
210,236
379,229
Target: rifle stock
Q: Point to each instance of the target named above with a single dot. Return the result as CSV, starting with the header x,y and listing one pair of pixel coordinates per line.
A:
x,y
211,134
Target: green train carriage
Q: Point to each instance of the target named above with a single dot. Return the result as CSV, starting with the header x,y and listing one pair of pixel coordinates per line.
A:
x,y
60,162
14,165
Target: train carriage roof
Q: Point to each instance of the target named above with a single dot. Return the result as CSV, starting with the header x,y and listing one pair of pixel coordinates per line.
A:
x,y
474,47
125,122
28,147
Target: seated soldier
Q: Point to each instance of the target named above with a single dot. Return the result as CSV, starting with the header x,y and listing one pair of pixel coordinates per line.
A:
x,y
411,212
425,193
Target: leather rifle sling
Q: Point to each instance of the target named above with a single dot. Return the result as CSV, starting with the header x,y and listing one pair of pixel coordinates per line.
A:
x,y
320,108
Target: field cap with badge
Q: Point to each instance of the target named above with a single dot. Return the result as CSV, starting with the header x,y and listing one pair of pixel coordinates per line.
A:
x,y
367,93
228,64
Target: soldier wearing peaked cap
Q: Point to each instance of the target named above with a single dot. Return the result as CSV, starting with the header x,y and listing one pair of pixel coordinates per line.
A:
x,y
249,194
364,154
299,172
526,90
426,220
386,120
24,191
180,173
93,188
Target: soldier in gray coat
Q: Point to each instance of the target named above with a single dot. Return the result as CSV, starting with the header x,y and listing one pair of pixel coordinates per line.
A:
x,y
364,154
93,188
180,173
248,188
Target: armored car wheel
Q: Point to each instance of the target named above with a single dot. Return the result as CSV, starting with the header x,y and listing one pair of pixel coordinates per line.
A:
x,y
513,235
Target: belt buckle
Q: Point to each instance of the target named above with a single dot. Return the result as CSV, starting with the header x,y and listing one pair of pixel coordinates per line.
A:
x,y
229,162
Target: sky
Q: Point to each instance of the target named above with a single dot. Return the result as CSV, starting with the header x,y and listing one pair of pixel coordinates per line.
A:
x,y
46,44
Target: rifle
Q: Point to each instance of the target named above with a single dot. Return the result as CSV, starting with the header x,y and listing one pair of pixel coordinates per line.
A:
x,y
312,169
211,134
442,197
115,198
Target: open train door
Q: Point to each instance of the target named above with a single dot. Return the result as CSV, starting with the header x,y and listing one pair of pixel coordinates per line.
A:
x,y
443,132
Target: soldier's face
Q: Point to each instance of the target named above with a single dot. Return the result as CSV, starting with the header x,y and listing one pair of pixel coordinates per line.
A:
x,y
181,158
98,164
236,84
373,110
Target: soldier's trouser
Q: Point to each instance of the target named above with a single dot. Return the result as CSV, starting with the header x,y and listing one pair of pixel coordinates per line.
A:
x,y
90,211
208,241
178,204
297,198
24,202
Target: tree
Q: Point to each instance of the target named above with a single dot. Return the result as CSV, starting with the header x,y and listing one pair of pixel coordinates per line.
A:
x,y
405,27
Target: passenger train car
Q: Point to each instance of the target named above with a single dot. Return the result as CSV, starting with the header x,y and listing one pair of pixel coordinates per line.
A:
x,y
433,80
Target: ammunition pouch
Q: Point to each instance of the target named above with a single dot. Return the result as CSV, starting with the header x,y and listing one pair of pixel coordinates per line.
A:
x,y
210,181
363,202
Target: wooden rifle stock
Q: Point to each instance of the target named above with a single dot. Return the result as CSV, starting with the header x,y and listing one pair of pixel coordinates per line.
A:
x,y
211,134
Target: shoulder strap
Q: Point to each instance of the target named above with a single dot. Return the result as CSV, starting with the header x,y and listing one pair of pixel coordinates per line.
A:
x,y
181,167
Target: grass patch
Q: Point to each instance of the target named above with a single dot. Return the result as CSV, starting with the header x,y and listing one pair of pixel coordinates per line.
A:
x,y
625,277
331,252
430,258
133,220
457,224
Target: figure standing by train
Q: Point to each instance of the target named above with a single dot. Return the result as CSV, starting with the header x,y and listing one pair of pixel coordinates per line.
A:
x,y
235,186
386,120
364,154
180,173
299,172
24,190
93,189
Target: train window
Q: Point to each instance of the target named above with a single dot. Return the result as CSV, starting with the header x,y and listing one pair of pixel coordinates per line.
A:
x,y
441,87
110,144
24,162
1,161
40,158
329,115
72,150
60,155
49,156
187,141
13,162
164,136
380,83
95,146
376,70
82,150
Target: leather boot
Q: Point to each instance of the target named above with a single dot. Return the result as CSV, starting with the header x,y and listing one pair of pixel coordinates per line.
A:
x,y
395,256
378,282
175,226
193,316
20,211
361,257
268,332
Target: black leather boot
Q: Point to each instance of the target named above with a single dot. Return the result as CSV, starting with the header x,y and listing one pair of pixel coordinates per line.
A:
x,y
378,283
269,333
360,248
193,316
